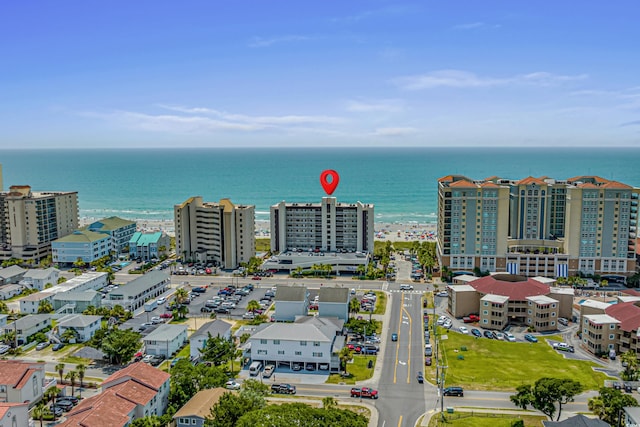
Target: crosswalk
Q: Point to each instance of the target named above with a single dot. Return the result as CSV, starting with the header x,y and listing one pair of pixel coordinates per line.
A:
x,y
406,292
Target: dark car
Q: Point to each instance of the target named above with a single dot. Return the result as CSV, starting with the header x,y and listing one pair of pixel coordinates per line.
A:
x,y
74,400
394,337
58,346
283,389
206,309
476,332
296,367
454,391
628,388
427,361
222,310
488,334
199,290
530,338
56,410
66,405
420,377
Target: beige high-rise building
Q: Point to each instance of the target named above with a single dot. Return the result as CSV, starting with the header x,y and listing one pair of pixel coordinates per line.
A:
x,y
221,233
30,221
326,226
537,226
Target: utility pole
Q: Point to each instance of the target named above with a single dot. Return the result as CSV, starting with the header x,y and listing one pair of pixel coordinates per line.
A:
x,y
442,368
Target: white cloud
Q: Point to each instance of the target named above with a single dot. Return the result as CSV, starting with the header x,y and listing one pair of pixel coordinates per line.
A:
x,y
466,79
471,26
266,42
394,131
257,120
383,105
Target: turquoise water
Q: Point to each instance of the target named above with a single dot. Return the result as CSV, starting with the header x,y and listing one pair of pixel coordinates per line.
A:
x,y
402,183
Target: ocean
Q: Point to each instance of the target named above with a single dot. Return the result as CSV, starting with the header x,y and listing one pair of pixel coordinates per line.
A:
x,y
400,182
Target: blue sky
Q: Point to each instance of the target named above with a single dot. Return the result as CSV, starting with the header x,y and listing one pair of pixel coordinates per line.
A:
x,y
324,73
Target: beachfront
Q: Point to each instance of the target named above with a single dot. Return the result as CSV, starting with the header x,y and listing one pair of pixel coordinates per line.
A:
x,y
393,232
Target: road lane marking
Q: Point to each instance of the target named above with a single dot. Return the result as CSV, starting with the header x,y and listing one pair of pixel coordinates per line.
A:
x,y
395,369
400,421
409,346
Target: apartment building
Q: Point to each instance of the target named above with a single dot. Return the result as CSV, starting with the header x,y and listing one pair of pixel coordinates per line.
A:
x,y
21,381
118,229
537,226
327,226
30,221
149,245
134,294
38,278
81,244
221,233
503,299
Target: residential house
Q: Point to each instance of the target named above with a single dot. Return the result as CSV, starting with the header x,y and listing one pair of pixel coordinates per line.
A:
x,y
291,301
334,302
136,391
10,291
309,341
120,230
84,326
79,301
38,279
21,381
578,421
149,245
28,325
81,244
3,319
631,415
14,414
134,294
93,280
11,275
165,340
197,340
606,327
31,303
198,408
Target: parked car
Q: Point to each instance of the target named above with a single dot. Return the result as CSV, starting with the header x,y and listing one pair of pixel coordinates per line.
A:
x,y
74,400
268,371
563,346
156,320
166,316
508,336
464,330
42,345
364,392
476,332
420,377
454,391
57,346
248,316
65,405
296,367
488,334
498,335
56,411
206,309
471,318
161,300
530,338
427,361
428,350
232,385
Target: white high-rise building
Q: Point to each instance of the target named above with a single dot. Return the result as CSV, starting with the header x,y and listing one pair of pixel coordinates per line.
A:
x,y
328,226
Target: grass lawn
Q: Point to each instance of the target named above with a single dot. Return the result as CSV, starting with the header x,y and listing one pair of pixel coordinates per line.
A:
x,y
381,303
358,370
263,245
513,363
461,419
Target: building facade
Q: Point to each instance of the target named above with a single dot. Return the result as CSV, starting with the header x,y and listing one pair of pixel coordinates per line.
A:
x,y
165,340
83,326
221,233
537,226
134,294
38,279
77,301
197,340
327,226
31,303
195,412
148,245
21,382
333,302
37,219
291,301
119,230
81,244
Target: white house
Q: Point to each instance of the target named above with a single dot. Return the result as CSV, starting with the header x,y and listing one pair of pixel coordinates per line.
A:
x,y
10,291
311,341
38,279
84,326
12,274
94,280
77,301
81,244
134,294
217,328
165,340
21,381
334,302
31,303
291,301
14,414
26,326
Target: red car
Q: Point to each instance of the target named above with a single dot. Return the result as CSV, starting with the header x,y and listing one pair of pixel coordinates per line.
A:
x,y
427,361
313,307
364,392
166,316
472,318
256,278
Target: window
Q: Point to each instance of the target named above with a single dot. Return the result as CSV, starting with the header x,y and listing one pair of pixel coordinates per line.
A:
x,y
316,343
298,353
280,351
317,354
485,312
612,326
303,343
276,342
611,336
263,341
193,421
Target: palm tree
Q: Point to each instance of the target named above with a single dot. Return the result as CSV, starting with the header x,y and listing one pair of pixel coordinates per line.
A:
x,y
297,272
71,376
354,305
182,310
328,402
345,356
253,305
81,368
60,368
181,295
51,393
45,307
38,412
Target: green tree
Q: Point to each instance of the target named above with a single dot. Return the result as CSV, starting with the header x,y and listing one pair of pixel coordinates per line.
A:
x,y
68,335
256,387
232,406
546,393
345,356
71,376
328,402
50,394
81,368
300,414
60,368
3,307
630,363
297,272
187,380
79,263
152,421
120,345
61,279
609,403
181,295
217,349
354,305
37,413
253,305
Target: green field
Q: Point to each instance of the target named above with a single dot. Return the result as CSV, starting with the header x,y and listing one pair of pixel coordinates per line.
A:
x,y
358,369
463,419
500,365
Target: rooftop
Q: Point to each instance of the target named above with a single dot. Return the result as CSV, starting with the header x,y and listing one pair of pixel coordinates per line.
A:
x,y
307,328
87,295
145,239
11,271
200,404
215,328
516,288
82,236
542,299
38,296
78,320
600,319
165,332
500,299
595,304
40,274
29,321
110,224
104,409
140,284
291,293
628,313
15,373
461,288
334,294
141,372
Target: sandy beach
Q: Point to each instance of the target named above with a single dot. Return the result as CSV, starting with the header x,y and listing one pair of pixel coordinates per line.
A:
x,y
393,232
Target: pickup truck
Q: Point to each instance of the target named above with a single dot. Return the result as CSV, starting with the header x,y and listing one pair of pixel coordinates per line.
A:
x,y
283,389
364,392
563,346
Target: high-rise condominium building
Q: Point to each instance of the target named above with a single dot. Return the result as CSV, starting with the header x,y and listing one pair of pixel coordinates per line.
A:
x,y
221,233
326,226
537,226
30,221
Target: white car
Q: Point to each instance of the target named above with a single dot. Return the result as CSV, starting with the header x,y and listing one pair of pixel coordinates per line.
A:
x,y
442,294
156,320
248,316
406,287
509,337
161,300
499,335
464,330
232,385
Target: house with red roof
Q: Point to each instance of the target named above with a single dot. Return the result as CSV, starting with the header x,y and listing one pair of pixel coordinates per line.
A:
x,y
614,325
21,382
137,391
14,414
503,299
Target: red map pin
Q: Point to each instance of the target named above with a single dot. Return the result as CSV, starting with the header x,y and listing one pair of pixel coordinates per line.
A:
x,y
329,180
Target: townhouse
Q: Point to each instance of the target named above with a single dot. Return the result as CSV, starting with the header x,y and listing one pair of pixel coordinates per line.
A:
x,y
165,340
21,382
216,328
291,301
134,294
